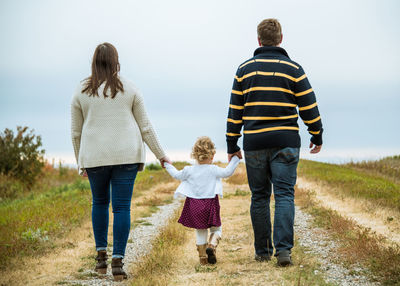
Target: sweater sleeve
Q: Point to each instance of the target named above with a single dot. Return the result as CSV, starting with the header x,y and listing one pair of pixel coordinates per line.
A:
x,y
308,108
234,121
76,125
146,129
228,170
179,175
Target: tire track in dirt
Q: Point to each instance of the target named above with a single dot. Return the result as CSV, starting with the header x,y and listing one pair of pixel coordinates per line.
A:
x,y
382,221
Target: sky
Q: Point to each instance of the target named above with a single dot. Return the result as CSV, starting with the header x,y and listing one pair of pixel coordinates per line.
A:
x,y
183,56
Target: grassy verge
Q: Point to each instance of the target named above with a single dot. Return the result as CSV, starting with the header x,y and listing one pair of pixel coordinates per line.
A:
x,y
388,167
357,244
353,182
32,220
156,267
29,224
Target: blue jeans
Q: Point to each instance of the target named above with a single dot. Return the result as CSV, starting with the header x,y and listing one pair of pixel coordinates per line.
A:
x,y
121,178
279,167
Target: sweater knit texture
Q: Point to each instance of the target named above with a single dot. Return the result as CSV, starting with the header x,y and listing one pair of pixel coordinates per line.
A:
x,y
111,131
201,181
266,92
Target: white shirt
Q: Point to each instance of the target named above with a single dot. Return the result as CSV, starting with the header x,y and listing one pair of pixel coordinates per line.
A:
x,y
201,181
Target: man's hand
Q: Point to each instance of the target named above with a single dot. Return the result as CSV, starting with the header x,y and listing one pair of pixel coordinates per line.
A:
x,y
165,160
238,153
85,175
316,148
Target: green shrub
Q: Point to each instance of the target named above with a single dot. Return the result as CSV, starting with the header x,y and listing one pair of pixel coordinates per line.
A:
x,y
153,167
21,155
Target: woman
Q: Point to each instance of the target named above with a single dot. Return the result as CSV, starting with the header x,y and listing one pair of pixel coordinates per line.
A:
x,y
109,128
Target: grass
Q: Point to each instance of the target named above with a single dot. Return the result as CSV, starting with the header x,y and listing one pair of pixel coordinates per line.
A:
x,y
31,219
353,182
50,178
29,224
388,167
357,244
152,201
155,268
238,193
239,177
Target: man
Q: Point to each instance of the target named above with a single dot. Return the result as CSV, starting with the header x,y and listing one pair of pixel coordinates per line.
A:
x,y
266,91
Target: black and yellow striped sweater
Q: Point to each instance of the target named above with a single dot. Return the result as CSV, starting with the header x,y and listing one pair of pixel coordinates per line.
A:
x,y
266,92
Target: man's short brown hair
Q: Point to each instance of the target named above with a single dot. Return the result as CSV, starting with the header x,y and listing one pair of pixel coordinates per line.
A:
x,y
269,32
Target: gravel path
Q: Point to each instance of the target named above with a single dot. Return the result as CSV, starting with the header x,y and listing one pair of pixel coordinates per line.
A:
x,y
139,244
317,241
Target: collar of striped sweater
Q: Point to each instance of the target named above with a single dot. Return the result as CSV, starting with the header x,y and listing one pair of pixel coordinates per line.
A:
x,y
271,50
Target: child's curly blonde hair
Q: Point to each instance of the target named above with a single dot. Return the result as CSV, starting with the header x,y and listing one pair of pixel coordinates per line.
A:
x,y
203,149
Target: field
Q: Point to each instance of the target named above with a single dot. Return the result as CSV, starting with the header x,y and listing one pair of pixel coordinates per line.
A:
x,y
356,206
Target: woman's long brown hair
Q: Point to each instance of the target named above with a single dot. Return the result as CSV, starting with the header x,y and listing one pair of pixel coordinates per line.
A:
x,y
105,67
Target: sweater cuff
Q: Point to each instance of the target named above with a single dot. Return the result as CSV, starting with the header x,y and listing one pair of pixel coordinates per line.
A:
x,y
317,139
232,147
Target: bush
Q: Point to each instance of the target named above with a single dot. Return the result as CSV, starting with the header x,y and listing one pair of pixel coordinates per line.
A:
x,y
153,167
21,155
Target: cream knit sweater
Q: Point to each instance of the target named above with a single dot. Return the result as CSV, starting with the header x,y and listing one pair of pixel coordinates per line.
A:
x,y
108,131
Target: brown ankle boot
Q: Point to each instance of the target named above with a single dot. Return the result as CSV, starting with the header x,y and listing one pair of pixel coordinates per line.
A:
x,y
101,266
212,248
117,271
202,253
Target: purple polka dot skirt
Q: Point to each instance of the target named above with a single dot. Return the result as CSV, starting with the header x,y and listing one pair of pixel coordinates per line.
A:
x,y
201,213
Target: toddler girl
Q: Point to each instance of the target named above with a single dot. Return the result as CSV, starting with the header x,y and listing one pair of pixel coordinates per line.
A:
x,y
201,185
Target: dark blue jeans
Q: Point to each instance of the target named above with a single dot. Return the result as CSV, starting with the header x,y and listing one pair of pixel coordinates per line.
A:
x,y
121,178
279,167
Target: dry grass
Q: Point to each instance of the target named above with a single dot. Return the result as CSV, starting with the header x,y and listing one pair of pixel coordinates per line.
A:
x,y
239,177
388,167
357,244
155,269
69,253
152,201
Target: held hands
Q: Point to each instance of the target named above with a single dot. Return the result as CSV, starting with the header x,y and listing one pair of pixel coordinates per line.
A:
x,y
238,153
316,149
164,160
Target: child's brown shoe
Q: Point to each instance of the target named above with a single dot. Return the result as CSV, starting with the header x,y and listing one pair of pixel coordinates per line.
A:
x,y
202,253
212,248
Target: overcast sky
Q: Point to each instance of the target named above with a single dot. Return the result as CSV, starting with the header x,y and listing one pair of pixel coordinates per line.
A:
x,y
183,56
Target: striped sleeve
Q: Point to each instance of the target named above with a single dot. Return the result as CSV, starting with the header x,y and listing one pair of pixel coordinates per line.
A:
x,y
308,108
234,121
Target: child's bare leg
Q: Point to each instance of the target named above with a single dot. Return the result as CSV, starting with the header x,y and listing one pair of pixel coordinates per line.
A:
x,y
201,241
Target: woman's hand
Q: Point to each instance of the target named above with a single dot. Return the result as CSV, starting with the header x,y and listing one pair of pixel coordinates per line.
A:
x,y
165,160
